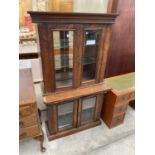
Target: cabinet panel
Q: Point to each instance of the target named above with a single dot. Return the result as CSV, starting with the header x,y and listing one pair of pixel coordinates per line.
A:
x,y
75,59
90,56
88,109
65,116
63,57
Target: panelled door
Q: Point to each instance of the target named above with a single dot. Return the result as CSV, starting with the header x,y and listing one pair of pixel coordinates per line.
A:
x,y
67,114
75,113
63,48
75,52
91,53
89,109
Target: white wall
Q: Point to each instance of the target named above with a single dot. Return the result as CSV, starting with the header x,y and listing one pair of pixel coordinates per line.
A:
x,y
94,6
35,65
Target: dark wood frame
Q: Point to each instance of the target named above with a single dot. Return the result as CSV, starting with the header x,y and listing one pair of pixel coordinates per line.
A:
x,y
78,22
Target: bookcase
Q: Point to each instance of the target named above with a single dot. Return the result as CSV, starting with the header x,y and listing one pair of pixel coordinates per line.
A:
x,y
73,50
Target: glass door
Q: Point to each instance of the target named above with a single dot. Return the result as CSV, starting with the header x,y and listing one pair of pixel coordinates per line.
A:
x,y
63,57
90,56
88,109
66,116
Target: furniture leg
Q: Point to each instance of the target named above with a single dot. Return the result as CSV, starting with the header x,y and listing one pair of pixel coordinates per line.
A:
x,y
41,139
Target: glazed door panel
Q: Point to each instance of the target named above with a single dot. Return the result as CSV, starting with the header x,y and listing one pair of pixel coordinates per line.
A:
x,y
91,54
88,109
72,114
63,58
76,53
64,55
67,115
91,49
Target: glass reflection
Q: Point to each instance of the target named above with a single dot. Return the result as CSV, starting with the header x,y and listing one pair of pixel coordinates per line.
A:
x,y
63,57
88,109
65,116
90,55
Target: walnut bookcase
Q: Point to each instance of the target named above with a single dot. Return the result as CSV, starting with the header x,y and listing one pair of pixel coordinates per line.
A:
x,y
74,49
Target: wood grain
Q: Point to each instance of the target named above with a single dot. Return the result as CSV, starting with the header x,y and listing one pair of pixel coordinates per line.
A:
x,y
55,98
72,18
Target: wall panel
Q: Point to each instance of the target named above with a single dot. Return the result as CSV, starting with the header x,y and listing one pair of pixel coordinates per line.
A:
x,y
121,58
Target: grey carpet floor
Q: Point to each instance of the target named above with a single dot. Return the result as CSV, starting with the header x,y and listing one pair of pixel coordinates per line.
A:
x,y
124,146
95,141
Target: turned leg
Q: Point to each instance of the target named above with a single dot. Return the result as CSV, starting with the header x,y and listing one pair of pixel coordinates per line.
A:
x,y
43,149
41,139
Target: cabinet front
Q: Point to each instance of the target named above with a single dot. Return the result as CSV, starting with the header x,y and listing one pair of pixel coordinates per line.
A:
x,y
73,114
65,116
63,57
88,109
90,55
75,52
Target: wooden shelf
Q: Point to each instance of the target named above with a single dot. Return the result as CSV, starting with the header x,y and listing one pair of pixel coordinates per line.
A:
x,y
76,93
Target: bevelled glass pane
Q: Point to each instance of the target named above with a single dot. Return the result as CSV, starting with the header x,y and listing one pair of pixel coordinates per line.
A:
x,y
88,109
65,116
63,57
90,55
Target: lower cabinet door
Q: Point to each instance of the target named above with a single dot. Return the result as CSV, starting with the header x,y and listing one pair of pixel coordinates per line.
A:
x,y
65,115
88,107
72,114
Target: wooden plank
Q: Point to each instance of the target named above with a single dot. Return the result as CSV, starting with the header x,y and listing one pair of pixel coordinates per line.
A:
x,y
75,110
104,52
76,93
78,41
72,18
47,58
99,102
52,119
79,112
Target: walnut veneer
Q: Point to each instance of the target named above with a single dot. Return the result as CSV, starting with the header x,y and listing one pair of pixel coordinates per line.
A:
x,y
73,50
